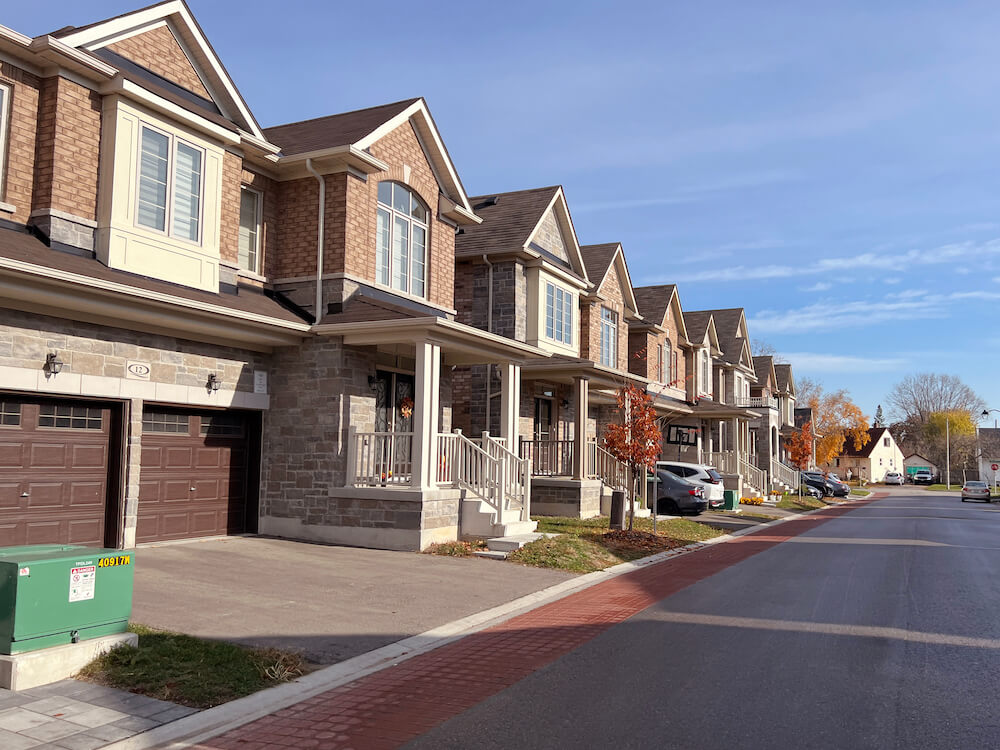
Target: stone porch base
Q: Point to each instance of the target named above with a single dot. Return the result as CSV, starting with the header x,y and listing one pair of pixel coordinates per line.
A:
x,y
559,496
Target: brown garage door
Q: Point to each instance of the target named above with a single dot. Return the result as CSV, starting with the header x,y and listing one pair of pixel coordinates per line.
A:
x,y
194,474
53,471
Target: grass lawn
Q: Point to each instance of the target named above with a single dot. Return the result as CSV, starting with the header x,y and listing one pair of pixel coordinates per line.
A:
x,y
863,493
191,671
584,546
794,502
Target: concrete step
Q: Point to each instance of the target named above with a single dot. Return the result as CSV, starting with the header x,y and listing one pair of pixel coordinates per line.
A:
x,y
490,554
514,528
513,541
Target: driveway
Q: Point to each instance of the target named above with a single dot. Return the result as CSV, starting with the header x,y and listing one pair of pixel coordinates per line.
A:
x,y
330,603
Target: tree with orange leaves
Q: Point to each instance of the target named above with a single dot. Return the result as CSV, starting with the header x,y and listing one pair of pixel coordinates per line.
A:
x,y
836,418
800,447
636,440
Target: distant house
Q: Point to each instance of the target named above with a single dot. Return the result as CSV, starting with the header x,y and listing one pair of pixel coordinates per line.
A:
x,y
872,461
988,452
915,462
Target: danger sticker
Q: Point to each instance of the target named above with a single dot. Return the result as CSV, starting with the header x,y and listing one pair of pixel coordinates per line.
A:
x,y
82,582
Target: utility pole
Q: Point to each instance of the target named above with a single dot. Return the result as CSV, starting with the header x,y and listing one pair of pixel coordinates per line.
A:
x,y
947,451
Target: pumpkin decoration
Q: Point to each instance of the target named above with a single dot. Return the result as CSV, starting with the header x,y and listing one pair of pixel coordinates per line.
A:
x,y
406,407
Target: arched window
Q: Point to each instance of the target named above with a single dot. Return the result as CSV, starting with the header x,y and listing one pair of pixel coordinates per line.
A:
x,y
401,239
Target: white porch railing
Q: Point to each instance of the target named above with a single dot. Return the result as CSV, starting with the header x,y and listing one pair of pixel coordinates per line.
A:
x,y
756,478
784,474
382,459
757,402
602,465
487,470
725,462
549,458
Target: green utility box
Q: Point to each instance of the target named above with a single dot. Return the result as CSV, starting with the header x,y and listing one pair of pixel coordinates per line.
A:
x,y
54,594
732,500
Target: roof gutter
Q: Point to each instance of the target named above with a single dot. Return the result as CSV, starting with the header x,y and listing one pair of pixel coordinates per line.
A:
x,y
319,239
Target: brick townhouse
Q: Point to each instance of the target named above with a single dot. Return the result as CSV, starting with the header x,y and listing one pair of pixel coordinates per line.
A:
x,y
209,328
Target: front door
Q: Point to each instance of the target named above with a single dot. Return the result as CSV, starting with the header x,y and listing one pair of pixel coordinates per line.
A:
x,y
394,414
543,458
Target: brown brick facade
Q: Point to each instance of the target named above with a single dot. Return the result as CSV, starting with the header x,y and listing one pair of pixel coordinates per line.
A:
x,y
158,51
644,343
610,296
67,148
18,181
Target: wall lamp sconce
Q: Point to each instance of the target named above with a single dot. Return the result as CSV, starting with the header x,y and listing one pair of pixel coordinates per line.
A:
x,y
53,365
213,383
372,382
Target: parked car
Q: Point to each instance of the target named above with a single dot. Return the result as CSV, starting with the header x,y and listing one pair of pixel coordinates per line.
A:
x,y
703,474
923,476
675,496
893,477
812,491
828,484
973,490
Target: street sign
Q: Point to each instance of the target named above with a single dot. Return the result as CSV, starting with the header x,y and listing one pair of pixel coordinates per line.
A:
x,y
995,466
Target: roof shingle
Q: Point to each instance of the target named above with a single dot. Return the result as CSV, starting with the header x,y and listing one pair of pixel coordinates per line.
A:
x,y
331,131
507,223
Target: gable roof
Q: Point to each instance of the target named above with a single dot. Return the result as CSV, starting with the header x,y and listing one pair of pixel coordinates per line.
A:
x,y
330,131
874,438
783,376
730,323
763,367
182,24
599,259
655,301
697,324
510,220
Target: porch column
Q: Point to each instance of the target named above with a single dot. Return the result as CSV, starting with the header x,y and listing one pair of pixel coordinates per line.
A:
x,y
735,437
426,404
581,396
510,402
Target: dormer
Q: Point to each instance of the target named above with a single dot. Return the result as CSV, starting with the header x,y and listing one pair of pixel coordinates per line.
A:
x,y
704,347
657,343
609,308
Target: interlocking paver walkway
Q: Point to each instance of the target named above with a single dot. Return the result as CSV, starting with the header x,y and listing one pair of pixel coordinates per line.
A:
x,y
391,707
74,715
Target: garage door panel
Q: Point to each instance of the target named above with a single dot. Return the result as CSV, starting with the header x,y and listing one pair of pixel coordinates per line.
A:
x,y
84,457
46,495
87,494
48,455
215,466
12,534
10,495
12,454
44,532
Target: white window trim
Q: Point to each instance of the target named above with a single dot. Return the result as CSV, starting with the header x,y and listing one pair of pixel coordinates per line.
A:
x,y
168,221
8,93
611,325
570,298
260,225
409,242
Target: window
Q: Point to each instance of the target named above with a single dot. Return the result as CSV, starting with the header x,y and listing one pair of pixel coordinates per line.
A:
x,y
674,374
170,185
72,417
401,240
609,337
558,314
885,442
249,249
165,421
10,413
4,109
706,381
661,364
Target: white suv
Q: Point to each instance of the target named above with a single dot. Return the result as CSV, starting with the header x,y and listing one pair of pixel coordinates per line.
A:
x,y
700,474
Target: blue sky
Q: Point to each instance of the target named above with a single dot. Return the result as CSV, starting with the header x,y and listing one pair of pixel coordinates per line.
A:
x,y
831,168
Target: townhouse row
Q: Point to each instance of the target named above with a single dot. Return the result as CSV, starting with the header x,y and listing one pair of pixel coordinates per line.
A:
x,y
311,330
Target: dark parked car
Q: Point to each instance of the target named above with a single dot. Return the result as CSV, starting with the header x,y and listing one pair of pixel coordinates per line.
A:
x,y
675,496
829,486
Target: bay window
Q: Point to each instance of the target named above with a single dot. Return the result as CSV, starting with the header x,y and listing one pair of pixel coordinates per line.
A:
x,y
170,185
558,314
401,240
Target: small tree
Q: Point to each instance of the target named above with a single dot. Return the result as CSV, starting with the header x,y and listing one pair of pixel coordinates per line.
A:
x,y
636,440
800,447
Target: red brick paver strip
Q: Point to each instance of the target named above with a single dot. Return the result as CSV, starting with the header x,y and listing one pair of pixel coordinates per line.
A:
x,y
393,706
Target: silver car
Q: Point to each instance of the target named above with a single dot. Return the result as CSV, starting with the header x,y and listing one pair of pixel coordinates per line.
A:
x,y
893,477
976,491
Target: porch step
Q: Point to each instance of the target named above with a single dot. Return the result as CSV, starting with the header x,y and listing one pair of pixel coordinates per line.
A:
x,y
490,554
513,542
479,520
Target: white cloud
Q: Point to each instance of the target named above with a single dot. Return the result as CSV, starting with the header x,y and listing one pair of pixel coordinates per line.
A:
x,y
819,286
812,362
908,294
945,254
892,280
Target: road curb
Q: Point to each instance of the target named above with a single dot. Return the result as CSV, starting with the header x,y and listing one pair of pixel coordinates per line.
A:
x,y
192,729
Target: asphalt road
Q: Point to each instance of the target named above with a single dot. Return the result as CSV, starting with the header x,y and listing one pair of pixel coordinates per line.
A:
x,y
878,629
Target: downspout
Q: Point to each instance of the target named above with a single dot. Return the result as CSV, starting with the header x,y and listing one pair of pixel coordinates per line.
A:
x,y
319,239
489,329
